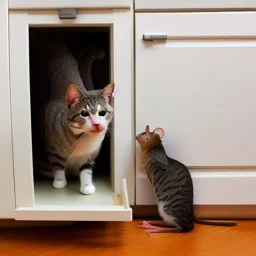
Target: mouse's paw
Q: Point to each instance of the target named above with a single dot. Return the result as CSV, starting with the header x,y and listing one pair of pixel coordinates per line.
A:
x,y
152,224
163,230
146,224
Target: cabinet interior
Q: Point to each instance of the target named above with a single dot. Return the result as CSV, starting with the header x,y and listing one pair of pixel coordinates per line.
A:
x,y
75,39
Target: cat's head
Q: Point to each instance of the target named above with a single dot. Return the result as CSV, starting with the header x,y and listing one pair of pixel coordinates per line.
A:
x,y
149,139
89,112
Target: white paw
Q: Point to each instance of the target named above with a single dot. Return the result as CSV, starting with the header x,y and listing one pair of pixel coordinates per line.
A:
x,y
87,190
59,183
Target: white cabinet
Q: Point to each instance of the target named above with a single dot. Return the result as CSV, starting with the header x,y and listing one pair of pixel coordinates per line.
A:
x,y
196,4
38,201
6,180
199,85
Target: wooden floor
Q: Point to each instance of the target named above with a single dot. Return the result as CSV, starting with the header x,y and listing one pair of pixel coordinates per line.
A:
x,y
124,238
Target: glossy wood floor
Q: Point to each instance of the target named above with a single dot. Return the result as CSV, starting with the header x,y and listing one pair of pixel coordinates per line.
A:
x,y
124,238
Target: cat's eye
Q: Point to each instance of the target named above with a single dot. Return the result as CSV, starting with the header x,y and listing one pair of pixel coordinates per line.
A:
x,y
102,113
84,113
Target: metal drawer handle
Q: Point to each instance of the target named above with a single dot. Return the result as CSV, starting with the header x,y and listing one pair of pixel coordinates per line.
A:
x,y
67,13
154,36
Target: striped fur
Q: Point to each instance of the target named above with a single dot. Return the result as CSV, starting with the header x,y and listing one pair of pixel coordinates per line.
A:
x,y
75,120
173,185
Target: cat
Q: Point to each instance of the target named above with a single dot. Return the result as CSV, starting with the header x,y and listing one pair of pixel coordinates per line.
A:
x,y
75,120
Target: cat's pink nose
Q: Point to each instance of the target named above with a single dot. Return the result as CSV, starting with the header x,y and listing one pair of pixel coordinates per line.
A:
x,y
96,125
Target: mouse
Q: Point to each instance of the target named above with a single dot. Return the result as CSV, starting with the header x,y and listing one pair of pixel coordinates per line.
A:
x,y
173,186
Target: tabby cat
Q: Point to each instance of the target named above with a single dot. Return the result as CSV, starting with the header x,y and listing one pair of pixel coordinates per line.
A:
x,y
75,120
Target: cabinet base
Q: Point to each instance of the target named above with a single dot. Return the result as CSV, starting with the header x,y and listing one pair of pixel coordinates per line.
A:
x,y
204,211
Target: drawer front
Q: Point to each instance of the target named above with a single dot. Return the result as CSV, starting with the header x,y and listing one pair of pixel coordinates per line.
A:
x,y
196,4
49,4
199,85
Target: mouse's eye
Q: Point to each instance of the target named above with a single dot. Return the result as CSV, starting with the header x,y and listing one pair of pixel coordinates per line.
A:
x,y
143,133
84,113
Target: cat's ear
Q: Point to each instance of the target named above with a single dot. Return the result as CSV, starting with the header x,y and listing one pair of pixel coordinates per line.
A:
x,y
73,94
160,132
108,91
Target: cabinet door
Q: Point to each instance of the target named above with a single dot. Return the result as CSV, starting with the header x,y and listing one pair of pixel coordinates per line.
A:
x,y
6,181
199,85
37,201
50,4
196,4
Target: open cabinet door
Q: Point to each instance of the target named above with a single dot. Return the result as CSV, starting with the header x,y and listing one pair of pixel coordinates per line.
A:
x,y
6,182
38,200
197,80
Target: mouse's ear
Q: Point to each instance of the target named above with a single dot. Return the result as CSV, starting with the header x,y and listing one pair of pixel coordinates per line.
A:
x,y
160,132
147,129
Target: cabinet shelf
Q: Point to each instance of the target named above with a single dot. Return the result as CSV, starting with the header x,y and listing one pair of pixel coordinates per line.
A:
x,y
68,205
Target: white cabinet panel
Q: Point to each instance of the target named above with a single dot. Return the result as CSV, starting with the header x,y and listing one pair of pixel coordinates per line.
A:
x,y
50,4
33,201
199,85
6,181
200,90
211,187
196,4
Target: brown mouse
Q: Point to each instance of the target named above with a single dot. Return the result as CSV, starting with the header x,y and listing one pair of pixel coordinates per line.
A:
x,y
173,186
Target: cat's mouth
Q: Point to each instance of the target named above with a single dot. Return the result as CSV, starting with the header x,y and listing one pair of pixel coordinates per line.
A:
x,y
96,131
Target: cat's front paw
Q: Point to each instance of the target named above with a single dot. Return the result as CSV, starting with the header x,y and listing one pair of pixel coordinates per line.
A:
x,y
87,189
59,183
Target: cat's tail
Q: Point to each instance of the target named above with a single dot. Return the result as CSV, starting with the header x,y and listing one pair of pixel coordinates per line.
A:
x,y
85,61
42,164
42,168
215,223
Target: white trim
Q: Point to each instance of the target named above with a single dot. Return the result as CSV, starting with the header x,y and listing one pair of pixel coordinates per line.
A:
x,y
210,188
20,108
153,5
53,4
100,213
7,201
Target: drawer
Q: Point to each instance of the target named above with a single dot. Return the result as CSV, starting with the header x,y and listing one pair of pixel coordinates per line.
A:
x,y
199,85
53,4
196,4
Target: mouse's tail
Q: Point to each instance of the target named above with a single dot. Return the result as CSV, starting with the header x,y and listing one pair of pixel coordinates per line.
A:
x,y
215,223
